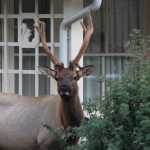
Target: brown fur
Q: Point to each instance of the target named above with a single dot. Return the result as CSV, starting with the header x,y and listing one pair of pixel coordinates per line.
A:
x,y
21,125
22,118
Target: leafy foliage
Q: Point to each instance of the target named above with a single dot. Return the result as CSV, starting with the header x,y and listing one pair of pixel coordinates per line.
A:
x,y
122,121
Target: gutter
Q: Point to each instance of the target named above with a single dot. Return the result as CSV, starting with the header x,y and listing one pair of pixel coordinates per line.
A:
x,y
66,25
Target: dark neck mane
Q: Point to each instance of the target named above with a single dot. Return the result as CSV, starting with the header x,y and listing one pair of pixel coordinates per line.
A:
x,y
71,112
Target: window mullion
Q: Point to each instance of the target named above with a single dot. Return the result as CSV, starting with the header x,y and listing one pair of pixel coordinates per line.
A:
x,y
5,87
36,58
20,48
103,75
52,82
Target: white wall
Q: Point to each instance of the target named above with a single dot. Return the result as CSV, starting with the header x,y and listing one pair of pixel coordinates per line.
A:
x,y
70,8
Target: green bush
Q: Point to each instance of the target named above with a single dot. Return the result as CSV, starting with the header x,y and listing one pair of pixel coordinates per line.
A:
x,y
122,120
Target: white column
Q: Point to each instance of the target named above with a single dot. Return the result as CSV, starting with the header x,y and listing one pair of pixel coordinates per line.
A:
x,y
5,87
76,41
70,8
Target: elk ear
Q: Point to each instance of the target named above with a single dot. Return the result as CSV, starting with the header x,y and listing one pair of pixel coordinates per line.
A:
x,y
85,71
47,71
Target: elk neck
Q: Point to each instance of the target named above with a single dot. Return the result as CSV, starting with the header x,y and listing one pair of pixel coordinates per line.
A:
x,y
71,111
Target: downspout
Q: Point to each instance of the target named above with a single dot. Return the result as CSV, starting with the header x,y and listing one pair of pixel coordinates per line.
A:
x,y
65,27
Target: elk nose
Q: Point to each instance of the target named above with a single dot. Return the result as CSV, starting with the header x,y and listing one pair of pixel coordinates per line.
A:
x,y
65,90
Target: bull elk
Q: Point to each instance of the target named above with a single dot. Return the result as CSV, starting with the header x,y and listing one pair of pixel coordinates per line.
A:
x,y
22,117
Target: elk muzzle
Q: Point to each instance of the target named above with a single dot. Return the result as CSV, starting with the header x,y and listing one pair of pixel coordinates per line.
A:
x,y
64,90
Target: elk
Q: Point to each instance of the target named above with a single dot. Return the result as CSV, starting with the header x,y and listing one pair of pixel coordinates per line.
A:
x,y
22,118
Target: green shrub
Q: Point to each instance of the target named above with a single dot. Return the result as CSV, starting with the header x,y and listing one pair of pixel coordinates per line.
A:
x,y
122,121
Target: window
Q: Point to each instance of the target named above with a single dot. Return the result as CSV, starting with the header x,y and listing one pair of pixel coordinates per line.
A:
x,y
28,6
112,23
1,30
20,51
12,6
1,7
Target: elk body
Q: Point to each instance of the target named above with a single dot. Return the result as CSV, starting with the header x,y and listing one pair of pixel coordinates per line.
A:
x,y
22,118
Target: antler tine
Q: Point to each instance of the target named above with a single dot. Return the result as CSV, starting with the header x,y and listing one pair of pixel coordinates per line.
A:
x,y
88,31
41,30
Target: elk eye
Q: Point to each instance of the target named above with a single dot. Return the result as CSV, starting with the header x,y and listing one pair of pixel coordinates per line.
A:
x,y
75,78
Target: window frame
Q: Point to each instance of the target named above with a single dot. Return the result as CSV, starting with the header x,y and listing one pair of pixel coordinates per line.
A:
x,y
105,53
5,44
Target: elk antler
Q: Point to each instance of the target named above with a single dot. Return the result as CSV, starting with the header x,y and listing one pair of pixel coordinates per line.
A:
x,y
88,31
41,30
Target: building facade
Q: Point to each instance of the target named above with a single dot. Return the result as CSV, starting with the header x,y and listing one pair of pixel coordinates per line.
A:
x,y
21,53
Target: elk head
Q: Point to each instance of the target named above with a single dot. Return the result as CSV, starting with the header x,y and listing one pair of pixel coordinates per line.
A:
x,y
67,77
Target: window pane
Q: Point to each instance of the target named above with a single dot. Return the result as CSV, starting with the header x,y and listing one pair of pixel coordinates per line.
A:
x,y
28,35
1,57
28,85
44,82
1,30
12,6
1,83
12,30
44,61
48,28
97,62
13,57
92,85
16,83
124,16
44,6
97,44
43,58
13,83
58,6
57,23
56,51
114,67
1,7
44,85
28,6
113,23
28,59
